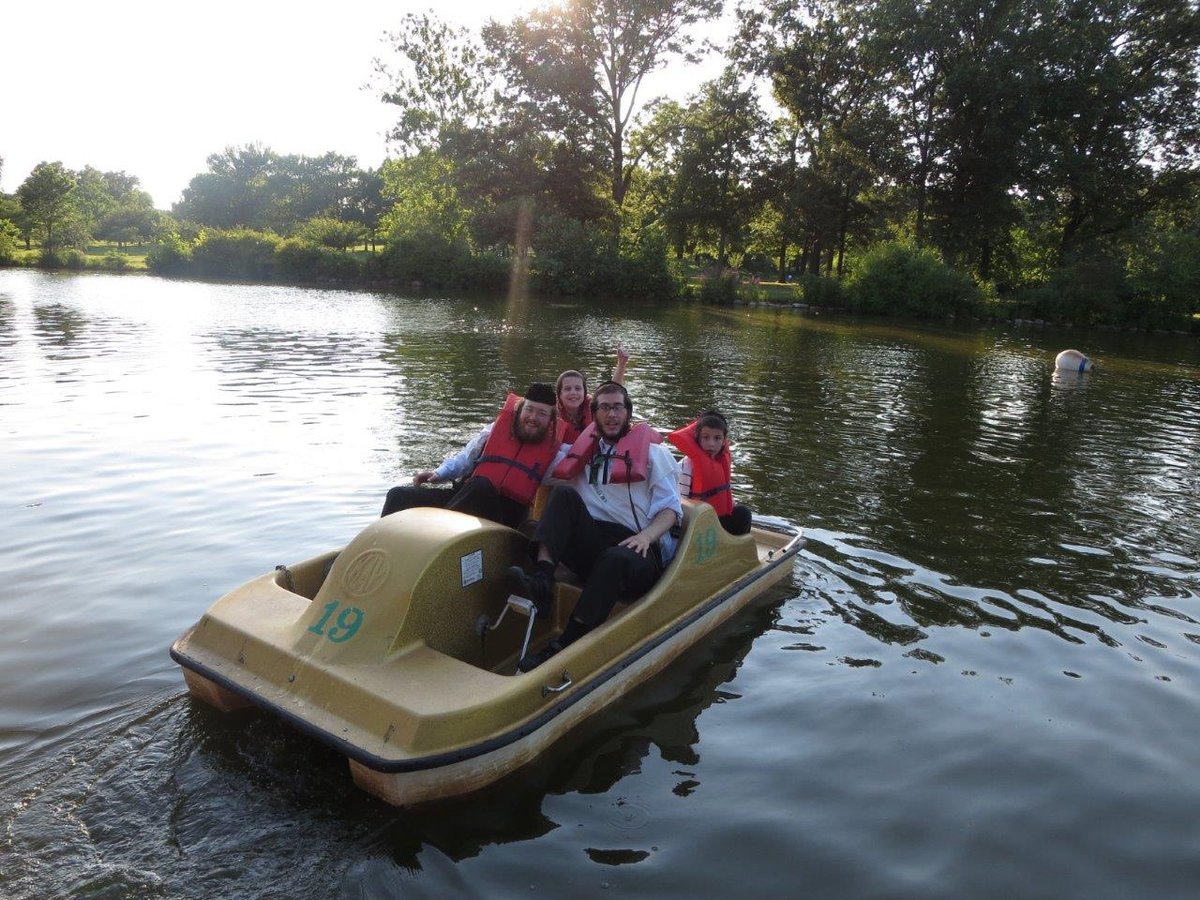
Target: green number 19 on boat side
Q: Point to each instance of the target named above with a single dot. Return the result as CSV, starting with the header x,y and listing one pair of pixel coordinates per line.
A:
x,y
706,545
348,621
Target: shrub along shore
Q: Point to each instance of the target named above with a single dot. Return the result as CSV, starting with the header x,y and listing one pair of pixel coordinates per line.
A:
x,y
893,279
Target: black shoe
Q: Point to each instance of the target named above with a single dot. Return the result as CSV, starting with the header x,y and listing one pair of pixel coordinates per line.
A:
x,y
531,661
537,587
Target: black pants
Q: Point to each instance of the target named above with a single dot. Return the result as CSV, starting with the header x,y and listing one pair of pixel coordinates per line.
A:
x,y
476,497
738,521
588,547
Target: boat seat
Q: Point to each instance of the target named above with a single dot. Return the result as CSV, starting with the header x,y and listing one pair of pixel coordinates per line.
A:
x,y
563,575
564,600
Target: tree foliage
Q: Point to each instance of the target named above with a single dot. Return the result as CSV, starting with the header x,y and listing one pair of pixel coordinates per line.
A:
x,y
254,187
1048,148
1119,114
324,231
439,81
830,151
424,198
899,279
979,130
8,241
576,69
712,196
46,199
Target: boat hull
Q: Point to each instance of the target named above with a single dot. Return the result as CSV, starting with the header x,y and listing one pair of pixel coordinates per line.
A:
x,y
452,779
381,649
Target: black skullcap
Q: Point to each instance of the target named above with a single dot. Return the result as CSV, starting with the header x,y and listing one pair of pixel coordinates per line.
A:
x,y
540,392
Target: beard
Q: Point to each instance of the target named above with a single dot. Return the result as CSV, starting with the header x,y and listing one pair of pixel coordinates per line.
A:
x,y
531,433
614,434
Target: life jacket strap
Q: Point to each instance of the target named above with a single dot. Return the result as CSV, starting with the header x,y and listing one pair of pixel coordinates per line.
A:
x,y
533,471
711,492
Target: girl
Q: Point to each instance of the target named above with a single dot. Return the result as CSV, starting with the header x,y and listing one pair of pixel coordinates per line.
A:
x,y
574,402
704,473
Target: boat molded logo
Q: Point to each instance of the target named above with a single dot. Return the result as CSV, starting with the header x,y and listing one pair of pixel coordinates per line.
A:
x,y
366,573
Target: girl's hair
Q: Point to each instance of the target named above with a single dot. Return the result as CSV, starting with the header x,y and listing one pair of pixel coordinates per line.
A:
x,y
710,418
570,373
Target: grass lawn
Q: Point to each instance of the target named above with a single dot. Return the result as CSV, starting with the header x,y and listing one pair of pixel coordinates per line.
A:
x,y
777,292
763,292
95,256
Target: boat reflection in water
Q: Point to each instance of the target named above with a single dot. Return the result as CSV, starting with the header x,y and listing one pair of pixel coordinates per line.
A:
x,y
401,649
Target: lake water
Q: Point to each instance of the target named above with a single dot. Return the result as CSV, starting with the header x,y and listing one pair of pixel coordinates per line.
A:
x,y
981,679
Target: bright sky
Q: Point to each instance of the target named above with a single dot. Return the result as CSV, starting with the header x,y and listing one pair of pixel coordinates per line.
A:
x,y
152,88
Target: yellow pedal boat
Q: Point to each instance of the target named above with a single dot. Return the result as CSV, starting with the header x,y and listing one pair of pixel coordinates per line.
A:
x,y
400,650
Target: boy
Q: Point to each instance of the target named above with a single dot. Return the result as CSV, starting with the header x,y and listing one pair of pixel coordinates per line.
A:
x,y
704,473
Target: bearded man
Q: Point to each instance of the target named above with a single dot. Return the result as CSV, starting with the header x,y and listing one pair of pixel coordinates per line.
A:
x,y
609,523
505,463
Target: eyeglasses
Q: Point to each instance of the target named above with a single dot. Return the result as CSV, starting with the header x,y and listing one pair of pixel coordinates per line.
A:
x,y
609,407
541,415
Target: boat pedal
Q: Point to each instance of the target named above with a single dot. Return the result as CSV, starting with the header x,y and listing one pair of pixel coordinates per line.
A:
x,y
527,608
521,606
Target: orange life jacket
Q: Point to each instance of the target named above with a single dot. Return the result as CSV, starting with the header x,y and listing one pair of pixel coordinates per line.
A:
x,y
710,475
515,468
630,458
567,432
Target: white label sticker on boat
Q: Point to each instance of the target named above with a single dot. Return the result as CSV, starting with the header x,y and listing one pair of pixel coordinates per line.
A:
x,y
472,568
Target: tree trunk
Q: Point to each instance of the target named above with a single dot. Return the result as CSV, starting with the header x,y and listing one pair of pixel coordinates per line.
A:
x,y
1075,218
922,195
842,226
985,259
618,168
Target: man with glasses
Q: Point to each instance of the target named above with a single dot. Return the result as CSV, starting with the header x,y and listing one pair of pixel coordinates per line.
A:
x,y
609,523
505,463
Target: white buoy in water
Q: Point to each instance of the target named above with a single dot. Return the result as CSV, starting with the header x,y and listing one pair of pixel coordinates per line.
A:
x,y
1072,361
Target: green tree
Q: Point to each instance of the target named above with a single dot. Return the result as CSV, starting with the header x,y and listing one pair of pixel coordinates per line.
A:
x,y
298,188
132,220
835,145
896,278
8,241
576,69
783,221
46,198
10,207
232,192
254,187
990,106
439,80
1119,113
424,197
712,199
329,232
511,176
92,198
366,204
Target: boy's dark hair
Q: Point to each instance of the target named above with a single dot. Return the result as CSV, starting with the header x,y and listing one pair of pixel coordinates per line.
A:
x,y
612,387
710,418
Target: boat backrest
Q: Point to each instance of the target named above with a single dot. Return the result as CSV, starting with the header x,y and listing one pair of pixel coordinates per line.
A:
x,y
417,576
